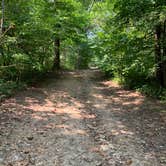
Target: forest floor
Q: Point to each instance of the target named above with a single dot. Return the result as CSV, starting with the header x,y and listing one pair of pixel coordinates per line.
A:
x,y
80,119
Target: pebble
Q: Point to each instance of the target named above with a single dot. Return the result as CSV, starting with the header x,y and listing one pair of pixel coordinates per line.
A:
x,y
1,157
30,138
14,157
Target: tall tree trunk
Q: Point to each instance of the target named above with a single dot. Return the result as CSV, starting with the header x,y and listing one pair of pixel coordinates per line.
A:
x,y
158,54
56,65
164,53
1,29
2,19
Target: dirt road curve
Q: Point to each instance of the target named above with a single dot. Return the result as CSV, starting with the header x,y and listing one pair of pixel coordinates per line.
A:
x,y
81,120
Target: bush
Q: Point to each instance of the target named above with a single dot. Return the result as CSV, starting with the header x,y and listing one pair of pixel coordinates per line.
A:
x,y
7,88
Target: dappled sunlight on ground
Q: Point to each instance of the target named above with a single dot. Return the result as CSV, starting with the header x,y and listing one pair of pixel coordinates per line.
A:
x,y
75,132
110,84
119,132
35,106
82,120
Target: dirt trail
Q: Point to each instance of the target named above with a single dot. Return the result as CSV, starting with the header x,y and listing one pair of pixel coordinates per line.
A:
x,y
81,120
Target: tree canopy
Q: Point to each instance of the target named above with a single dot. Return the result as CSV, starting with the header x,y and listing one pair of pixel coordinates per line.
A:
x,y
124,38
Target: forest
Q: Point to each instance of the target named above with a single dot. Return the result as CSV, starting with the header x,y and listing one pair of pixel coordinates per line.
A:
x,y
125,39
82,83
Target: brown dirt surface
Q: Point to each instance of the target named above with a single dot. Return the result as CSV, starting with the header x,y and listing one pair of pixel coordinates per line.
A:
x,y
80,119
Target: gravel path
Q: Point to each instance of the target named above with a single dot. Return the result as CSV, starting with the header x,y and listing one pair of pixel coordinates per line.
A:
x,y
79,119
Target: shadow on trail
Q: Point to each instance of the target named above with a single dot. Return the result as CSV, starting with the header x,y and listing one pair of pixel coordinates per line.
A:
x,y
120,123
138,117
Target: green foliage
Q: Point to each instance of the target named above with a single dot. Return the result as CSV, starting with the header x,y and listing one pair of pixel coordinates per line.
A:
x,y
151,90
27,43
7,88
35,27
117,36
123,41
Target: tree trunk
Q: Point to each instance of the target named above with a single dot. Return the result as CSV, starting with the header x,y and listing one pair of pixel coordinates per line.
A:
x,y
2,19
56,65
164,54
158,54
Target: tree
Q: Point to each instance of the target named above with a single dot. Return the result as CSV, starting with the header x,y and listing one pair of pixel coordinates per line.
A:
x,y
125,37
41,28
148,15
2,18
